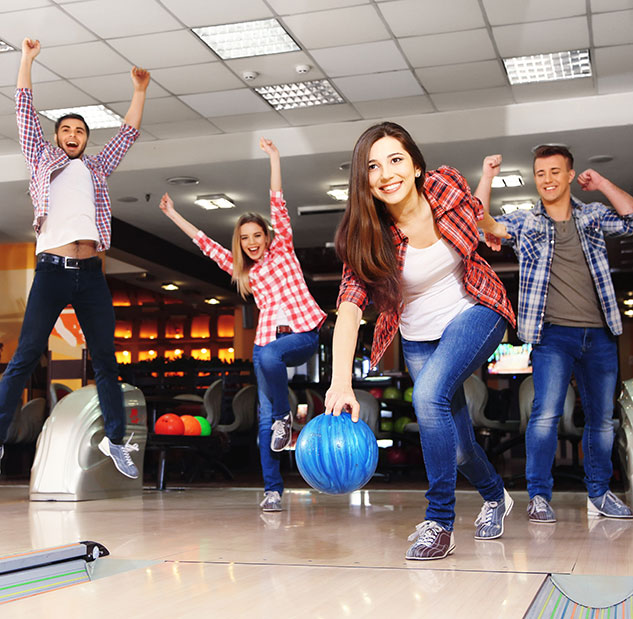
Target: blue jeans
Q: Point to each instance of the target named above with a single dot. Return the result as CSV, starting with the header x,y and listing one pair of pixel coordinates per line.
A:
x,y
271,361
54,287
591,354
438,369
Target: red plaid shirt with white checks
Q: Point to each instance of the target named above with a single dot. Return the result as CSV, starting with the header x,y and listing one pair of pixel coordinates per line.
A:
x,y
456,212
43,158
276,279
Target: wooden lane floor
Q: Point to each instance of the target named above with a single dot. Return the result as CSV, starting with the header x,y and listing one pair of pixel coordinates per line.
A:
x,y
323,556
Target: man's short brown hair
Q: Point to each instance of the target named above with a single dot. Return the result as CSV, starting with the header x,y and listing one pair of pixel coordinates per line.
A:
x,y
549,150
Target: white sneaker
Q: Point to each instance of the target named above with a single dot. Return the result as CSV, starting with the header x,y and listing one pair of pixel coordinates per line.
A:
x,y
271,502
120,455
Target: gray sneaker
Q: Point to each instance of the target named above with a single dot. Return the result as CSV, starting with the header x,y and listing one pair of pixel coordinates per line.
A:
x,y
430,541
607,505
282,433
489,523
539,510
271,502
120,455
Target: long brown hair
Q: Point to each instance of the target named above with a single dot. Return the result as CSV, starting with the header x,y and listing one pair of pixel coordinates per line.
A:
x,y
363,239
241,262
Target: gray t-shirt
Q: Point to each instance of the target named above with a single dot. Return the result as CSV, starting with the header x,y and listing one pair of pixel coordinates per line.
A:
x,y
572,300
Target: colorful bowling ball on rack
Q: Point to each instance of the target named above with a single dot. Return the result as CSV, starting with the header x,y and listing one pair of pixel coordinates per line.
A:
x,y
407,395
205,426
336,455
169,424
391,393
396,456
376,392
192,425
400,423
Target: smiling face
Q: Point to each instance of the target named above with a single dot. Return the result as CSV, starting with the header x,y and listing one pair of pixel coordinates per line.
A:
x,y
391,172
72,137
253,240
553,178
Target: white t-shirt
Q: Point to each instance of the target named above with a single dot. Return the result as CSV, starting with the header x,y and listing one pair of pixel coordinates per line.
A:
x,y
433,291
71,208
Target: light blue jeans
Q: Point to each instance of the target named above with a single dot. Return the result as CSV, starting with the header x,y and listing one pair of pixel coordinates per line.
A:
x,y
270,362
438,369
591,354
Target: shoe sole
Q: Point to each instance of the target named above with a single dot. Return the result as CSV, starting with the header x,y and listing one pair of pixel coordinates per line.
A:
x,y
534,521
278,449
268,510
448,552
104,448
510,504
596,513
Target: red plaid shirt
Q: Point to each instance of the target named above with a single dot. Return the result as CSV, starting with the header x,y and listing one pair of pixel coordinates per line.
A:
x,y
276,280
456,212
43,158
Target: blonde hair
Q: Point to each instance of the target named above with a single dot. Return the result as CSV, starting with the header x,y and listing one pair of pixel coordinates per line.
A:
x,y
241,262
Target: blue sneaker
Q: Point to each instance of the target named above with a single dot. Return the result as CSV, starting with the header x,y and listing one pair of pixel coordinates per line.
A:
x,y
540,511
120,455
489,523
607,505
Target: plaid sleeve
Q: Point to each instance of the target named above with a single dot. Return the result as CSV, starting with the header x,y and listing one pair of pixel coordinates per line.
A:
x,y
514,224
352,290
466,195
29,128
220,255
612,223
280,219
112,153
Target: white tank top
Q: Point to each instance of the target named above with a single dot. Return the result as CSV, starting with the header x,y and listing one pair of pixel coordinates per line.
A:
x,y
71,208
433,291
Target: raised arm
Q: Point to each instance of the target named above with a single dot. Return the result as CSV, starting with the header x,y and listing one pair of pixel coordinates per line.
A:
x,y
275,163
621,201
493,231
30,49
140,79
167,206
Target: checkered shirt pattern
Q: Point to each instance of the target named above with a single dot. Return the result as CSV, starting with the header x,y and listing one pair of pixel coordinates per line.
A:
x,y
533,235
456,212
276,280
43,158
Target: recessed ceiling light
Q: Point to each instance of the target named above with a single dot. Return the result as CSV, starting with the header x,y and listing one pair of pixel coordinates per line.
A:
x,y
213,201
516,205
300,94
346,165
5,47
629,313
339,192
169,286
182,180
628,302
96,116
600,158
508,179
548,67
251,38
212,301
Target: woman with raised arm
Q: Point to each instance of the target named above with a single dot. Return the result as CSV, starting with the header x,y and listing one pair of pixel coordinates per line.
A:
x,y
263,263
408,242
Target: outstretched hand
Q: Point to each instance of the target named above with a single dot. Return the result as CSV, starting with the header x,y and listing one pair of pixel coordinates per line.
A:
x,y
140,78
31,48
491,166
493,237
167,205
268,147
590,180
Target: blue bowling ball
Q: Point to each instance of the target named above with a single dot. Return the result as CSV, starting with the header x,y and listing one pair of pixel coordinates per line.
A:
x,y
336,455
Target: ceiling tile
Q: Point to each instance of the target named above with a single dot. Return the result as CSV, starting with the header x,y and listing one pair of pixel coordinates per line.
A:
x,y
21,5
9,147
379,86
275,68
8,125
181,129
468,76
358,24
411,17
292,7
7,106
402,106
206,13
542,37
164,49
49,24
120,18
196,78
100,137
450,48
250,122
613,28
83,60
226,103
106,88
501,12
564,89
486,97
599,6
320,114
52,95
358,59
168,109
614,68
9,65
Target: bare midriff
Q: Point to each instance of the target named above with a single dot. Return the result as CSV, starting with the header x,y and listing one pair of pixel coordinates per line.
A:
x,y
77,249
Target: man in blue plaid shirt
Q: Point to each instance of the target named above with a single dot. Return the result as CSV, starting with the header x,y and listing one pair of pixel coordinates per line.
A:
x,y
568,311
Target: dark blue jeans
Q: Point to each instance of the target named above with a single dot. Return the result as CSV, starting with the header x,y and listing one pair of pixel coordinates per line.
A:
x,y
271,361
438,369
591,354
54,287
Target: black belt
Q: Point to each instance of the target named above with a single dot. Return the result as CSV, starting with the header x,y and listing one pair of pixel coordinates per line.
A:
x,y
67,262
283,329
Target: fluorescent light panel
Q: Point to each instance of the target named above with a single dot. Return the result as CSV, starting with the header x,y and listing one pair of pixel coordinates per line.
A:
x,y
300,94
508,179
518,205
96,116
213,201
244,39
339,192
552,67
5,47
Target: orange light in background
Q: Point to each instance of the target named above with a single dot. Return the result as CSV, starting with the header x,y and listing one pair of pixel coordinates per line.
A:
x,y
202,354
120,298
226,354
123,329
200,327
226,325
145,297
149,329
175,327
123,356
173,354
147,355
